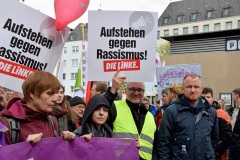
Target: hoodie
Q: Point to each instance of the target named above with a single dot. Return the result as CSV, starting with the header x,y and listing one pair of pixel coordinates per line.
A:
x,y
86,122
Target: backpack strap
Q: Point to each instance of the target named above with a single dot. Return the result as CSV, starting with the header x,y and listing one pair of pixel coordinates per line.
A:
x,y
14,129
200,114
52,126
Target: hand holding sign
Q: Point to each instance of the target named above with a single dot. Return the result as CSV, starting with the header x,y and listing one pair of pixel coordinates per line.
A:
x,y
67,11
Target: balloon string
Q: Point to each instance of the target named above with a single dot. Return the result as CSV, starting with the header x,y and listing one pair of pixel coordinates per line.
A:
x,y
60,32
55,40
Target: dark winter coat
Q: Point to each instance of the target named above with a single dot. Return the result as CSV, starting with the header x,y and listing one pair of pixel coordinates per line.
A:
x,y
236,137
225,131
195,127
86,121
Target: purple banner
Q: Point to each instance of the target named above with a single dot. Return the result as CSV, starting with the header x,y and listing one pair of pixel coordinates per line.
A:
x,y
57,149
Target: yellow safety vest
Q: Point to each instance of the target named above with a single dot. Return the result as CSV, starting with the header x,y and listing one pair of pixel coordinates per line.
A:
x,y
125,127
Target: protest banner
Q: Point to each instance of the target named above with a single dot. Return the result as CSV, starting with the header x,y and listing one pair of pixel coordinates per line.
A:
x,y
29,42
56,148
122,40
167,75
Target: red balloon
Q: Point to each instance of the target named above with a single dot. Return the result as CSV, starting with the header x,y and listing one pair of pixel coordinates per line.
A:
x,y
67,11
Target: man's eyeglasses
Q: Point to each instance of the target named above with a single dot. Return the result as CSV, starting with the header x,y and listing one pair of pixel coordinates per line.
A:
x,y
133,90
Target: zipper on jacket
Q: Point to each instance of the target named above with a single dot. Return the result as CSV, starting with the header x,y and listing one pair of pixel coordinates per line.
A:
x,y
194,137
138,114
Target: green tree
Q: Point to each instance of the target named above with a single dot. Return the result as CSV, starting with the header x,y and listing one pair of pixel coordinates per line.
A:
x,y
164,49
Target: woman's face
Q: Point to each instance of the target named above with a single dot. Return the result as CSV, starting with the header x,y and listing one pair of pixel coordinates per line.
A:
x,y
99,116
165,99
45,102
60,96
222,104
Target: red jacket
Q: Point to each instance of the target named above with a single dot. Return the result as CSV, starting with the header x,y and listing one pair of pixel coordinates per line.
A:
x,y
31,122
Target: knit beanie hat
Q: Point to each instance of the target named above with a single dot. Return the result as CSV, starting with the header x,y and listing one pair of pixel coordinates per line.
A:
x,y
175,88
76,100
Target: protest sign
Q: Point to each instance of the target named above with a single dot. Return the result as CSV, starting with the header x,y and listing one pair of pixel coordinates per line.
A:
x,y
167,75
29,42
122,40
56,148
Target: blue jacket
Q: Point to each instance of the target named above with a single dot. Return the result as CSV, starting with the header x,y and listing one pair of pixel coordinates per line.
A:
x,y
195,127
152,109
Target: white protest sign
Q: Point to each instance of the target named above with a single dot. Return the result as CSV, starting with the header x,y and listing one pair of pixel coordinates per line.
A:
x,y
124,40
168,75
29,42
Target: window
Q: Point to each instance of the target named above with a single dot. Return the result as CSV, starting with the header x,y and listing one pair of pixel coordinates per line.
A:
x,y
73,75
194,16
72,88
209,14
65,50
175,32
166,32
166,20
64,63
185,30
180,19
158,34
239,24
205,28
64,76
71,37
226,11
217,27
75,49
74,62
195,29
228,25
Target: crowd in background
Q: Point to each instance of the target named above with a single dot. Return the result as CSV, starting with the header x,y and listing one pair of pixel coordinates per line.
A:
x,y
184,123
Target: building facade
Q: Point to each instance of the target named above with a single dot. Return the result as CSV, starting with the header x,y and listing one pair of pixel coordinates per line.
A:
x,y
199,16
74,55
205,32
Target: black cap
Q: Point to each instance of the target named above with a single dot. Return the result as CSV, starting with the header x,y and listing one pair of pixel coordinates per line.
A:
x,y
76,100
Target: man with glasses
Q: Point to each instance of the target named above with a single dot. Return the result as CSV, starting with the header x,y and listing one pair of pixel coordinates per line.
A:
x,y
131,118
78,105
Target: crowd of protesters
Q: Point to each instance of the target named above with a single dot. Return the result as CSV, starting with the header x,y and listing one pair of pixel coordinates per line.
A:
x,y
184,123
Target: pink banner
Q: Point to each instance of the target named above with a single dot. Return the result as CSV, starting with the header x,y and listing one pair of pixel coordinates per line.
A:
x,y
57,149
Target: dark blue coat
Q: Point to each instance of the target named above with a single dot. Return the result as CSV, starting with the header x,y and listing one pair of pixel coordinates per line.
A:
x,y
186,125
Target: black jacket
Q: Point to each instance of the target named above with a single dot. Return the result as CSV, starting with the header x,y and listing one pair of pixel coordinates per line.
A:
x,y
236,136
225,131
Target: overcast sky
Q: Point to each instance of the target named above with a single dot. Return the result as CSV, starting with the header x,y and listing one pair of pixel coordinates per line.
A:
x,y
47,7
